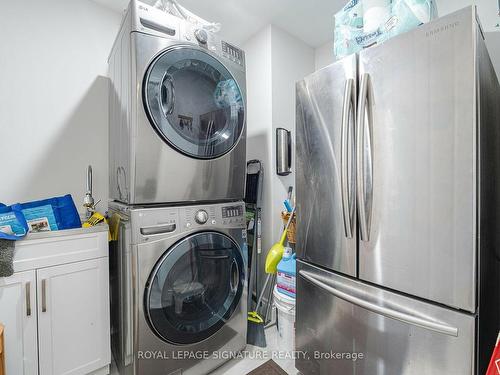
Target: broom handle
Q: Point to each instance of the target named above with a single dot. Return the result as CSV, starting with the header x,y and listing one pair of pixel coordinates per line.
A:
x,y
283,236
259,302
270,297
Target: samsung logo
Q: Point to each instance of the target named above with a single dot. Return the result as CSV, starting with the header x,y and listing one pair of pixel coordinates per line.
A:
x,y
442,28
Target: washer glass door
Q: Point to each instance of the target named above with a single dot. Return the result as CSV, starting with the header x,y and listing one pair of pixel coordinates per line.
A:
x,y
194,288
193,102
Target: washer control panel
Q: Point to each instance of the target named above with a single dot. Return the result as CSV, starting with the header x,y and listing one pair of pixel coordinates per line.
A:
x,y
156,223
233,214
201,216
219,215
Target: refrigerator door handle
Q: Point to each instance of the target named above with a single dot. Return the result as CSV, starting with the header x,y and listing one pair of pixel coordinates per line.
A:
x,y
402,316
364,175
346,155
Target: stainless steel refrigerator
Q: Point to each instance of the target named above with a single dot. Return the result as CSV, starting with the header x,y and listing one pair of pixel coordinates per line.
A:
x,y
398,203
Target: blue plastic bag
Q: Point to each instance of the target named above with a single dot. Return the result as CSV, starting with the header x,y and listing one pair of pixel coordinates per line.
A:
x,y
44,215
13,225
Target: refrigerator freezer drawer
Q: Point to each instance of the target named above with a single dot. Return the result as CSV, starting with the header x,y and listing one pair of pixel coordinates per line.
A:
x,y
363,330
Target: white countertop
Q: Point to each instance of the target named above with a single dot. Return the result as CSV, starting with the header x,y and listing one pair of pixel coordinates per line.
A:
x,y
45,249
101,227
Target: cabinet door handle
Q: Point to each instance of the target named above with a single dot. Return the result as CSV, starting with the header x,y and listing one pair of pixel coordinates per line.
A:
x,y
44,295
28,299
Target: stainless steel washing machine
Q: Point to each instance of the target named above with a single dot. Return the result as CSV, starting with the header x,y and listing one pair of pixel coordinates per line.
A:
x,y
178,289
177,112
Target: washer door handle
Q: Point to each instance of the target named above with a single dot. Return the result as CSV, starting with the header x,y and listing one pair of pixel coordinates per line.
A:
x,y
234,277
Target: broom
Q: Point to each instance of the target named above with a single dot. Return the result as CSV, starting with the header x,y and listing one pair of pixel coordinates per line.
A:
x,y
255,329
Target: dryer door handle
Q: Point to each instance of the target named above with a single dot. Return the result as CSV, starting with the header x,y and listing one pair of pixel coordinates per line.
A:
x,y
167,94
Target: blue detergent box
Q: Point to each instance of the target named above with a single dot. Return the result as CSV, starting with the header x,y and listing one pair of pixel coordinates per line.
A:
x,y
286,274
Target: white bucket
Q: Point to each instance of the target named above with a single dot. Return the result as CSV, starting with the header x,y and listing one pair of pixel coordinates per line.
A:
x,y
285,307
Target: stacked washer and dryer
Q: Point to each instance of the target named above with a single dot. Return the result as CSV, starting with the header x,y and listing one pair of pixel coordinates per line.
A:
x,y
177,181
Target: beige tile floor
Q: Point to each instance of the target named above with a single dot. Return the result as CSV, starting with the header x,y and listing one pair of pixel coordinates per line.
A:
x,y
255,357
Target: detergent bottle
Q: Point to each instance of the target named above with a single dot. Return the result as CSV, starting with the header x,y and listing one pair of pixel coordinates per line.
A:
x,y
286,277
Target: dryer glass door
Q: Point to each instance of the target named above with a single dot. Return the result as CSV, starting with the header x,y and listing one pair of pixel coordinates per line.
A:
x,y
195,288
193,102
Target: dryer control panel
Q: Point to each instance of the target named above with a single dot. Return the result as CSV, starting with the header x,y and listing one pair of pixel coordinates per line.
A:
x,y
212,42
232,53
153,21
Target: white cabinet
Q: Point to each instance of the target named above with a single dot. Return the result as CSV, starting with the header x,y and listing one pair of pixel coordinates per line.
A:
x,y
18,315
55,308
73,318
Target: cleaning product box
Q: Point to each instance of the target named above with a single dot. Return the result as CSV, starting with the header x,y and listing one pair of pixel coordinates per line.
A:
x,y
286,275
363,23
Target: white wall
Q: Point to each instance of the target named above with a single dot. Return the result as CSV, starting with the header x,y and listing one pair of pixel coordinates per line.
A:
x,y
53,97
291,61
493,45
487,10
275,61
259,118
488,16
323,55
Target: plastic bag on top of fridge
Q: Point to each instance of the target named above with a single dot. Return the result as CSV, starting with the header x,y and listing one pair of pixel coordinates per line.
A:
x,y
363,23
348,25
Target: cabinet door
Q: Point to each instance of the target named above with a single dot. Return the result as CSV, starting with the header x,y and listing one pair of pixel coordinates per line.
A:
x,y
18,315
73,317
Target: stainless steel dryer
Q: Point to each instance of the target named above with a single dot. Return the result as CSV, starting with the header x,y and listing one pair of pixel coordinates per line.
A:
x,y
178,290
177,112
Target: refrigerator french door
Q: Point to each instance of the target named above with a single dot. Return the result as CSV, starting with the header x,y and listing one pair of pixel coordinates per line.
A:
x,y
417,246
325,167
